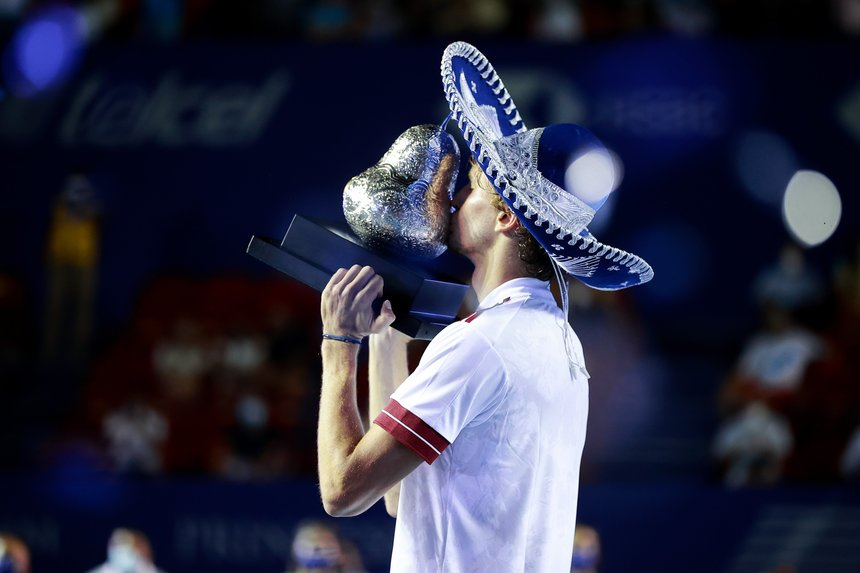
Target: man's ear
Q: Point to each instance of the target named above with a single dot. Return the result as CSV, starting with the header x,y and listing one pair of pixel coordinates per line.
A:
x,y
506,221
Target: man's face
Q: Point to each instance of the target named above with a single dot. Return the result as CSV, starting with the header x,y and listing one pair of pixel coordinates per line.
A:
x,y
316,547
474,215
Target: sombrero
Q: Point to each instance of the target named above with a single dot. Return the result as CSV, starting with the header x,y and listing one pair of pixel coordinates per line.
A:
x,y
528,168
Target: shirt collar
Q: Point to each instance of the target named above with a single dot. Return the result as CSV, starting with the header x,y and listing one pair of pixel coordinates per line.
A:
x,y
516,289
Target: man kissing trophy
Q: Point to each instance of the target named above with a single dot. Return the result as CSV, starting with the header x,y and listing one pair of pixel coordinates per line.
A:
x,y
398,212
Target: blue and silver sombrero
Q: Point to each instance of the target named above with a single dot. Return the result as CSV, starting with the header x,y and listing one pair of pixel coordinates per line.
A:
x,y
528,168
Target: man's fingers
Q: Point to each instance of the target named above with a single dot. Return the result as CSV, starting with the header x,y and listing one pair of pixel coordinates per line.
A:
x,y
371,290
359,280
350,274
335,278
384,319
386,312
340,277
344,279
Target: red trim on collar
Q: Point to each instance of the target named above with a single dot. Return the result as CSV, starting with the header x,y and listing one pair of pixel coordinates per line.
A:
x,y
475,314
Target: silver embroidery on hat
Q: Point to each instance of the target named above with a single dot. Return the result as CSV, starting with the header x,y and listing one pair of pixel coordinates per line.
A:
x,y
550,203
484,116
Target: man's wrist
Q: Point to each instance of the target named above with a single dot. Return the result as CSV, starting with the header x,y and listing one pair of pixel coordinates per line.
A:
x,y
337,348
342,338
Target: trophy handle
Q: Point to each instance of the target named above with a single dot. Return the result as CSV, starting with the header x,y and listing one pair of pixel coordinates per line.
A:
x,y
311,253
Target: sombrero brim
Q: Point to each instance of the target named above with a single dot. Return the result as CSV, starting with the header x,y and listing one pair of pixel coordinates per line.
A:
x,y
485,113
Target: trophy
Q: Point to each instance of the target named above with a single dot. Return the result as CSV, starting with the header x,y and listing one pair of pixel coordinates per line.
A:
x,y
398,213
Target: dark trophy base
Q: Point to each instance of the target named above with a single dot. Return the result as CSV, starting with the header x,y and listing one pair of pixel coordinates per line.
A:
x,y
311,253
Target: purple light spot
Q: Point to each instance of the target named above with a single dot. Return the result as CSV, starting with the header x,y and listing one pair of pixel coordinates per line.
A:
x,y
43,51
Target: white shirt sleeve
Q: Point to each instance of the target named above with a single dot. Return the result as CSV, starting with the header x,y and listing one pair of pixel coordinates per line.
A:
x,y
459,381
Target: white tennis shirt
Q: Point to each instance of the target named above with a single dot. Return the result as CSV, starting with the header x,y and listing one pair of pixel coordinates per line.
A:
x,y
498,412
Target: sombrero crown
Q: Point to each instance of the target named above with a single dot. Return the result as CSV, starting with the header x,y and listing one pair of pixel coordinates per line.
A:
x,y
529,168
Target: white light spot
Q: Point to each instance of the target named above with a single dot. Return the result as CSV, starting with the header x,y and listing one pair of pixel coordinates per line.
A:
x,y
811,207
593,176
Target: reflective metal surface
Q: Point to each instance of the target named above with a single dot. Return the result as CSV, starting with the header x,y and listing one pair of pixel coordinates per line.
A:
x,y
403,203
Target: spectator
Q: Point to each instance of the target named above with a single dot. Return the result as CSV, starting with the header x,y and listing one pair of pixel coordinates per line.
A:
x,y
586,550
757,436
129,551
71,259
135,432
687,17
327,20
14,554
317,547
827,411
772,364
253,445
790,284
182,360
752,446
243,353
558,21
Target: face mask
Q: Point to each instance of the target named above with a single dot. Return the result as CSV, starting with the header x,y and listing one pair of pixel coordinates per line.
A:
x,y
7,565
252,412
313,550
586,559
123,558
317,562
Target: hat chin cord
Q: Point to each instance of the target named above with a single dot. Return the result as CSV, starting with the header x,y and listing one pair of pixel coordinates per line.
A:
x,y
565,309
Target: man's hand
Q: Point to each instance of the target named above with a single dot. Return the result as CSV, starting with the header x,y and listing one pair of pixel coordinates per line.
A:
x,y
347,303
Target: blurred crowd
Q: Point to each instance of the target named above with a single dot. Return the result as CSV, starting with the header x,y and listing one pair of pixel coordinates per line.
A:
x,y
544,20
219,375
213,377
316,546
790,407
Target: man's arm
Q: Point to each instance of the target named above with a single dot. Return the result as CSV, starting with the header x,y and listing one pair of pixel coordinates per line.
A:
x,y
355,468
388,367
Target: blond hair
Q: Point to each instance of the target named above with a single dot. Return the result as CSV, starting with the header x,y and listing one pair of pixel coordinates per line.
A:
x,y
531,253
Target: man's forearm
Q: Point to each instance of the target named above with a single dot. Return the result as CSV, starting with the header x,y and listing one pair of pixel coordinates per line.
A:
x,y
340,427
388,367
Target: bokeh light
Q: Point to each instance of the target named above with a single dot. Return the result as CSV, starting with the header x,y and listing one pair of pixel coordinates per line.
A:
x,y
811,207
43,51
603,217
593,176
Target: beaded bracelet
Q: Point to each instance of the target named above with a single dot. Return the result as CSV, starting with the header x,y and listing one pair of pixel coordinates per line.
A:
x,y
346,339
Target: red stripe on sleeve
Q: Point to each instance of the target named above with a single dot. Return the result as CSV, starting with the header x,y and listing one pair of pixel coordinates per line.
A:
x,y
411,431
